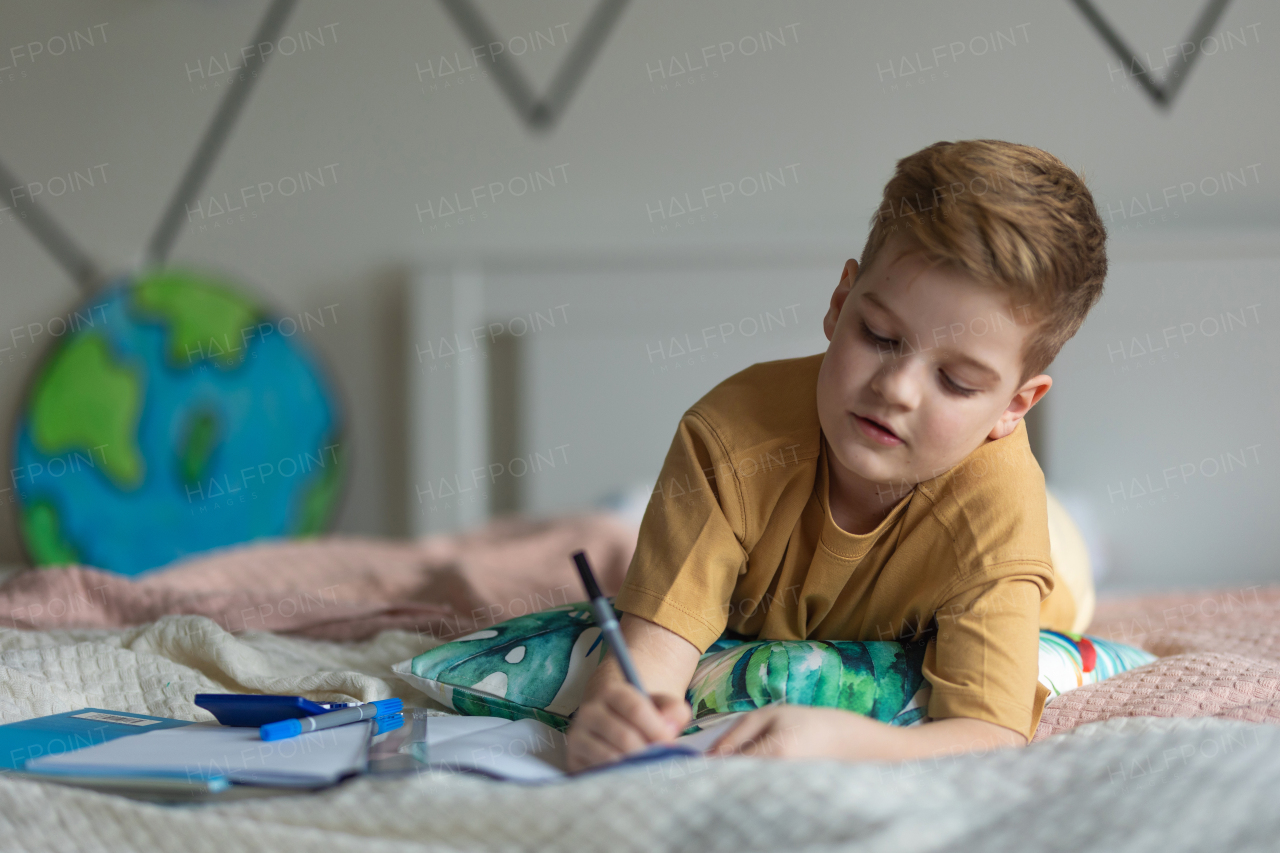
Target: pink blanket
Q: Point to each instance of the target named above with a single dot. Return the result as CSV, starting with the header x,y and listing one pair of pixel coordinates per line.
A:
x,y
1219,657
342,588
1219,651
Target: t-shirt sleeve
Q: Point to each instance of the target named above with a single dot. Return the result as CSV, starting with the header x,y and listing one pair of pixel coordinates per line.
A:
x,y
689,553
984,662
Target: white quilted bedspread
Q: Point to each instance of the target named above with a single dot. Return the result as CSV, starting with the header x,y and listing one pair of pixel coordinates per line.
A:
x,y
1126,784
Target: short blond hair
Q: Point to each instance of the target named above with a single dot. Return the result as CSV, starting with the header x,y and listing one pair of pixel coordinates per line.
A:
x,y
1008,215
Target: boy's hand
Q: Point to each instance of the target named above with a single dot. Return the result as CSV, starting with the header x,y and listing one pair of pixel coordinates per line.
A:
x,y
619,720
796,731
614,719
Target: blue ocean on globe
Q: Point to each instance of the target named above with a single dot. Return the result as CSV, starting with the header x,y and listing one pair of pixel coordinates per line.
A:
x,y
174,416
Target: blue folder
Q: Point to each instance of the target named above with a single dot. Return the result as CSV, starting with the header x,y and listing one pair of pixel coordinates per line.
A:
x,y
27,739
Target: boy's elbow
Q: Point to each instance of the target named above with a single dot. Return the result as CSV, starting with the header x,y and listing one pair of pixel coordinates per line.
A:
x,y
982,734
1015,739
1002,736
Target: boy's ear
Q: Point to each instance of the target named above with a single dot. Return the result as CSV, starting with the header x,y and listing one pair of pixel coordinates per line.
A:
x,y
838,297
1027,396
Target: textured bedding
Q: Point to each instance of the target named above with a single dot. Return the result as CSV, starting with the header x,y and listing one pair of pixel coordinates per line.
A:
x,y
1132,784
1201,778
1219,656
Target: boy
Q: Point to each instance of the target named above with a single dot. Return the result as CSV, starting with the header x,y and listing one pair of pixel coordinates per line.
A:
x,y
883,489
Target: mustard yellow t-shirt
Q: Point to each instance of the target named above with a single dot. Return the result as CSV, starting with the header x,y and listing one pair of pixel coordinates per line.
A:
x,y
738,535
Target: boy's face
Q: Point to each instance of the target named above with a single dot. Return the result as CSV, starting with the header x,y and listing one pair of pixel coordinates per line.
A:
x,y
927,352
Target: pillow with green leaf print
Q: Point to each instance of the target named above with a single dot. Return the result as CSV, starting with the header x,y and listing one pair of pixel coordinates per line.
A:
x,y
537,666
533,666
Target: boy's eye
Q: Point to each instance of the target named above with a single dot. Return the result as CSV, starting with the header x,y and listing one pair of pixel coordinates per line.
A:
x,y
956,388
866,330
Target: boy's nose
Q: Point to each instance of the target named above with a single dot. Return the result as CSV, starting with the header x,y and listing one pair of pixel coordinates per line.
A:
x,y
898,381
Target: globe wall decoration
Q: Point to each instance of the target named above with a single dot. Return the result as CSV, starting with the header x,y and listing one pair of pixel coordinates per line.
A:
x,y
174,415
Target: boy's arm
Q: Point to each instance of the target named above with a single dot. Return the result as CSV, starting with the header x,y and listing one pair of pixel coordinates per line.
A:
x,y
691,548
614,718
794,731
673,603
983,671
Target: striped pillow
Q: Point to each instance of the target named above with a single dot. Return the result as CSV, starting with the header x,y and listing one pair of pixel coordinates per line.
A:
x,y
1068,661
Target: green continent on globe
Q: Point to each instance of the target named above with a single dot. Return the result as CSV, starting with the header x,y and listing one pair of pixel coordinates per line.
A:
x,y
205,320
84,400
41,530
198,444
320,496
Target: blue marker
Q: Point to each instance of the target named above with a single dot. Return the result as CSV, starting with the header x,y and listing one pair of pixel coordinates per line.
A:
x,y
607,621
292,728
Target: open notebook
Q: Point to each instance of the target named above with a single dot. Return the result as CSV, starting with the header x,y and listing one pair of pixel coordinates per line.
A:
x,y
208,750
530,751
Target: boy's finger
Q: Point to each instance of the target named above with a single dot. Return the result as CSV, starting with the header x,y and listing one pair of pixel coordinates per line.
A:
x,y
603,723
759,745
676,711
745,731
616,732
640,712
763,745
597,724
587,751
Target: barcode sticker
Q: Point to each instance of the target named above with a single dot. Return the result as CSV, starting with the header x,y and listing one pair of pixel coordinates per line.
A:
x,y
115,718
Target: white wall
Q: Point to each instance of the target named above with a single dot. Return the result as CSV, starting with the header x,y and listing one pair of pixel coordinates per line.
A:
x,y
823,103
1162,417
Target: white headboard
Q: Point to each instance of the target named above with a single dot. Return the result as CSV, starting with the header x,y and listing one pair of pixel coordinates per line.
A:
x,y
546,389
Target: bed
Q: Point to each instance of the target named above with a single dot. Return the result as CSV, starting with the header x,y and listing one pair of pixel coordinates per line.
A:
x,y
1179,754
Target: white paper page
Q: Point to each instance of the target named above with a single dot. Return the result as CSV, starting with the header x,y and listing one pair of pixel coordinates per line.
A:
x,y
202,750
440,729
523,751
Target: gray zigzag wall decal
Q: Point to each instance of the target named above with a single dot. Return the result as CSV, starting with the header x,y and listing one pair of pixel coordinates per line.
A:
x,y
1162,93
540,113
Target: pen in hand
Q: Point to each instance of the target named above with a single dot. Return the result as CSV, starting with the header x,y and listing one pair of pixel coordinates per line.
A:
x,y
608,622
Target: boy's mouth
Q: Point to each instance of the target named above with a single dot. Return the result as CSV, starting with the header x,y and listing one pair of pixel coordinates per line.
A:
x,y
877,431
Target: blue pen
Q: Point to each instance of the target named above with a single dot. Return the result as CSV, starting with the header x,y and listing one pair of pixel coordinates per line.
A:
x,y
607,621
292,728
